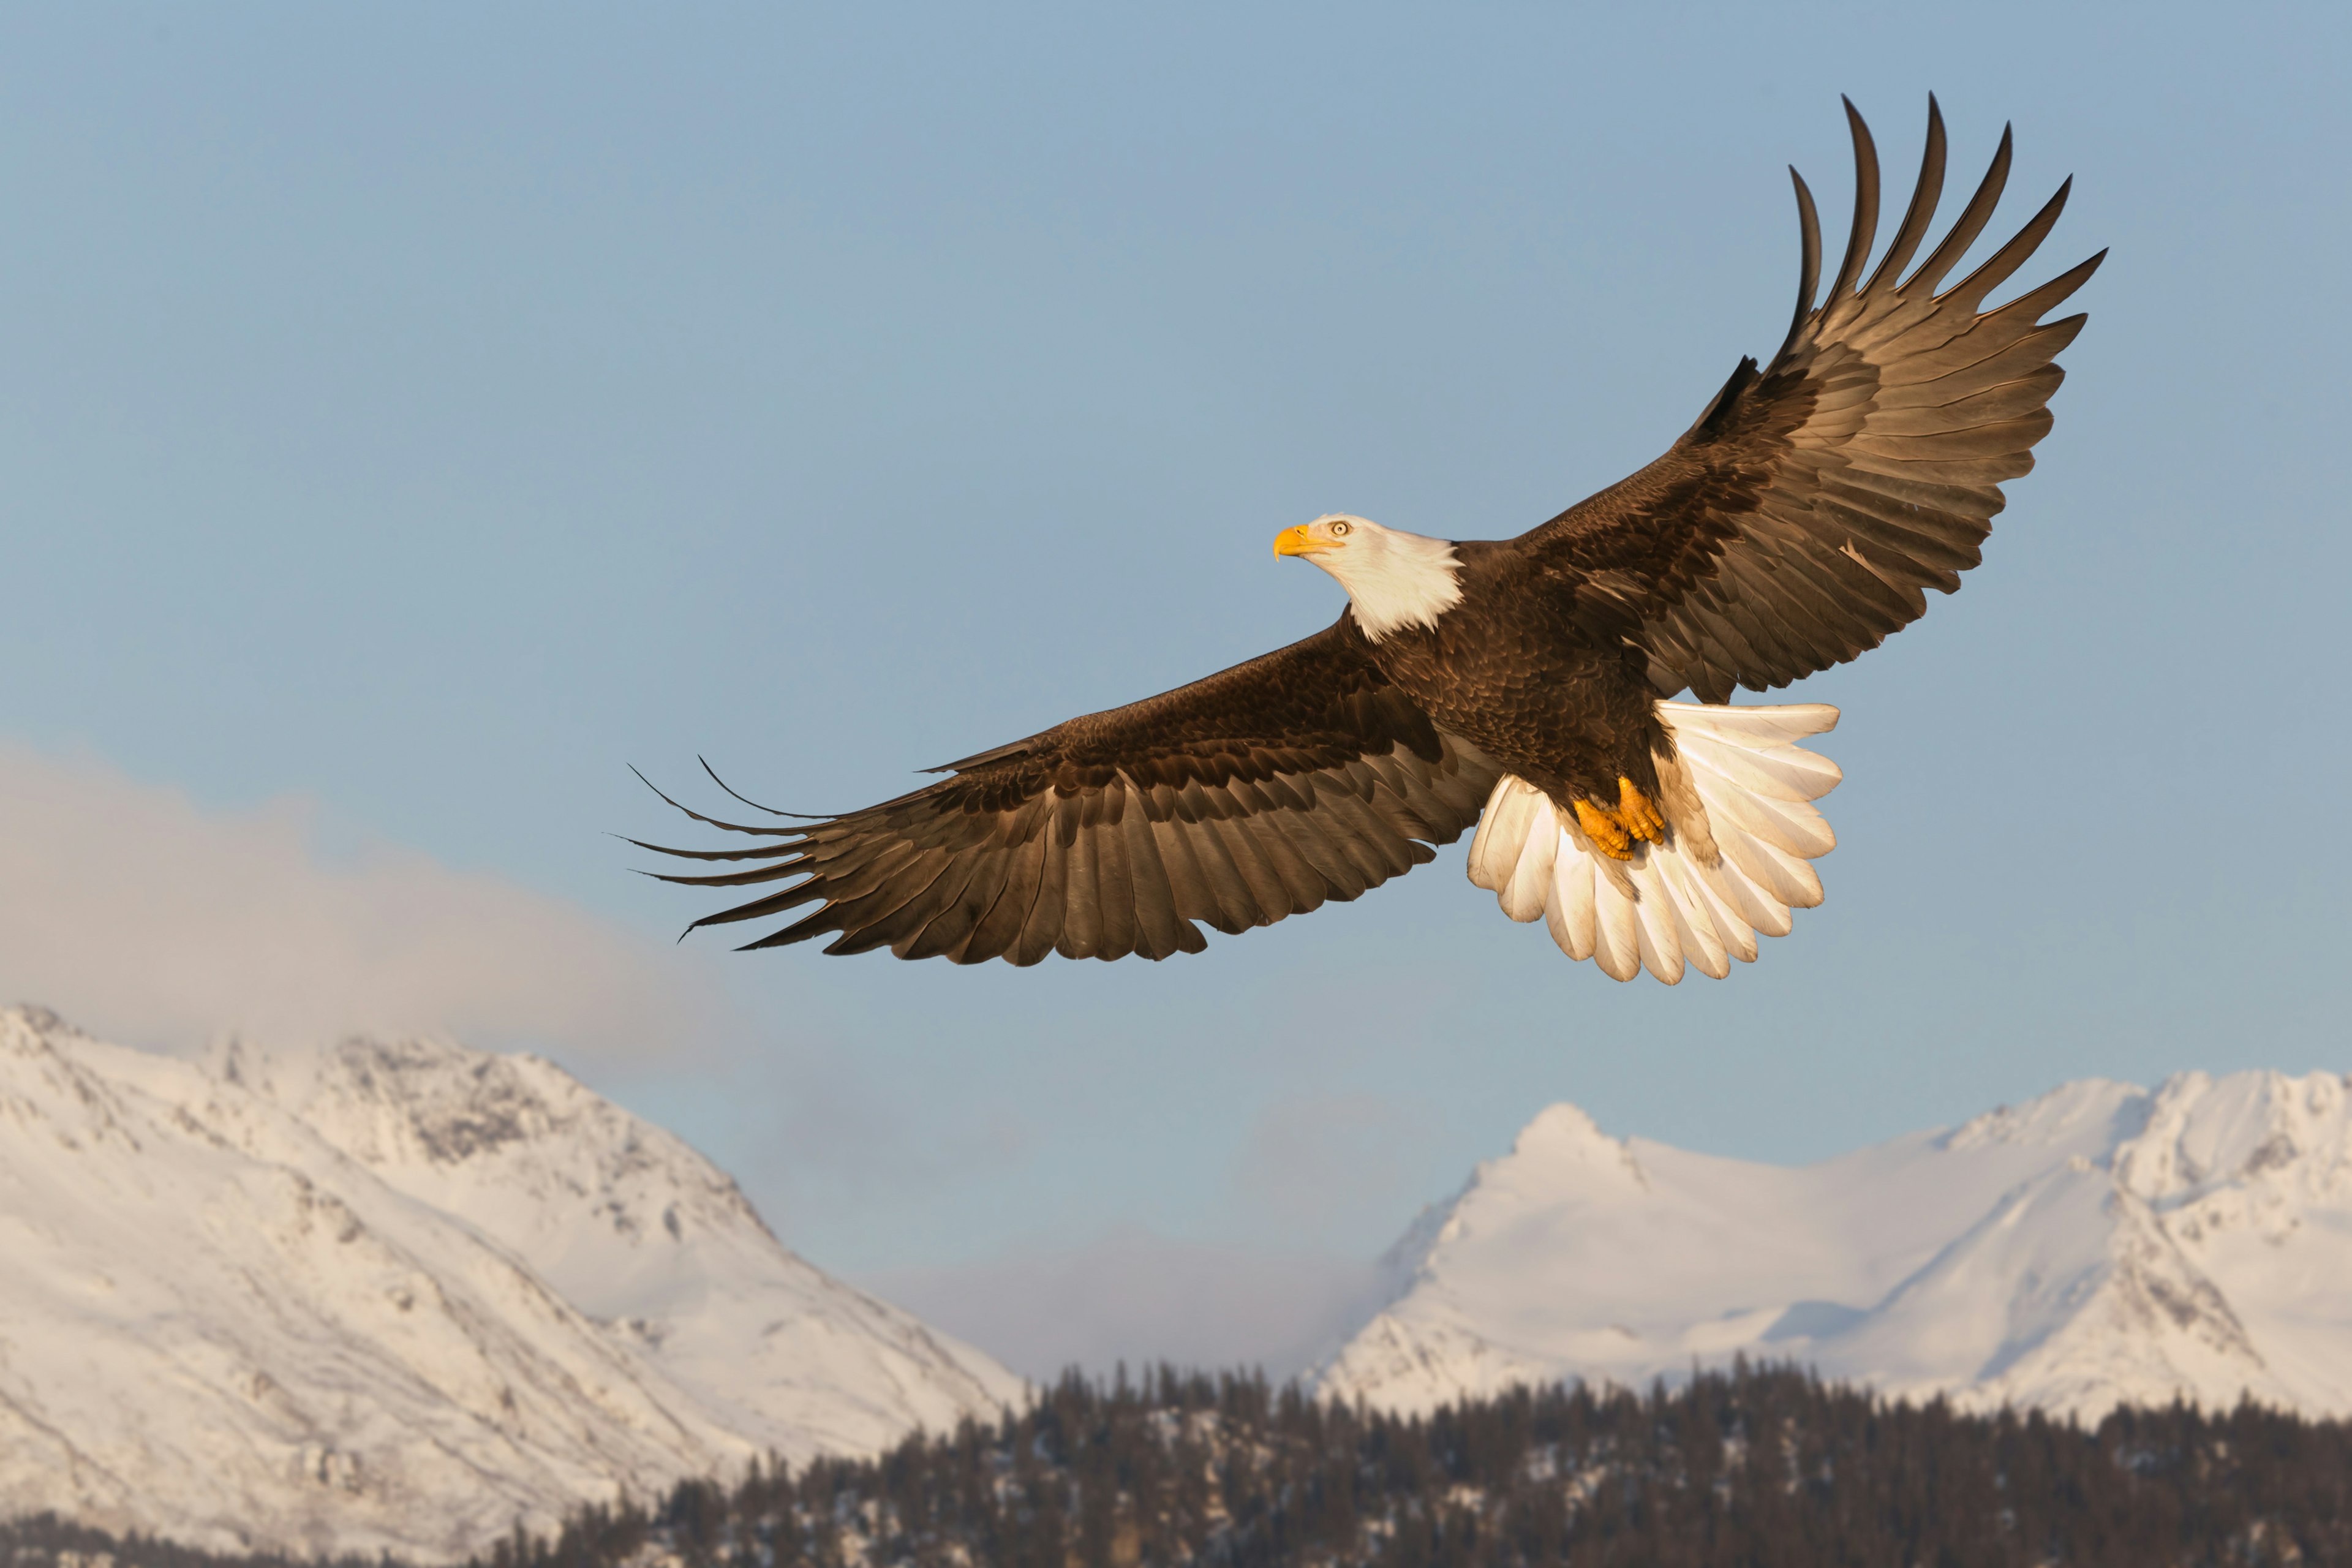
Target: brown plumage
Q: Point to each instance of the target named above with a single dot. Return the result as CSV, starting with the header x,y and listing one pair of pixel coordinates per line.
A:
x,y
1794,525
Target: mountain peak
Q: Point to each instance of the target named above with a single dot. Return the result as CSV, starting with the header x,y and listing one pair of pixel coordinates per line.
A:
x,y
2097,1244
2203,1136
26,1019
397,1295
1563,1143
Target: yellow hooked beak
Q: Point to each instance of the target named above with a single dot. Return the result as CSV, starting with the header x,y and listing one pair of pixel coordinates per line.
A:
x,y
1299,541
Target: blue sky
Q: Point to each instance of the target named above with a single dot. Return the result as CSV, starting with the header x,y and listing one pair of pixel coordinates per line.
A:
x,y
410,417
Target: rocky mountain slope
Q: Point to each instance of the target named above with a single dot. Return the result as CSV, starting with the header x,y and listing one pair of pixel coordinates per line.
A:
x,y
398,1296
2103,1243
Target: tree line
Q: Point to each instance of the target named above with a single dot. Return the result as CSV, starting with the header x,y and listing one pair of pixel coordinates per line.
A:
x,y
1752,1467
1749,1468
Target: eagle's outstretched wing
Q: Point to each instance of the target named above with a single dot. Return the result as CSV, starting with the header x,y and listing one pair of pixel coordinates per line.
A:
x,y
1258,792
1797,523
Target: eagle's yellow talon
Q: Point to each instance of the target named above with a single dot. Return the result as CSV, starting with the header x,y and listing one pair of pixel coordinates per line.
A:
x,y
1602,828
1639,813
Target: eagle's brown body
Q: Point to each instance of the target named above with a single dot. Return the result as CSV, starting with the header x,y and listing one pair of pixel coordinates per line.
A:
x,y
1512,670
1795,525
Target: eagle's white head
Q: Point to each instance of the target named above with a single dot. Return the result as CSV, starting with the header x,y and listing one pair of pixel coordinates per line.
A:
x,y
1394,579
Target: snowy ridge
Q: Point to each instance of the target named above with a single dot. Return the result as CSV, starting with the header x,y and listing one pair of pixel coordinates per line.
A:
x,y
2101,1245
396,1296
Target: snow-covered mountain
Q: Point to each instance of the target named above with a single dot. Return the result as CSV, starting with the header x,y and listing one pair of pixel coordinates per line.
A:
x,y
2101,1245
396,1296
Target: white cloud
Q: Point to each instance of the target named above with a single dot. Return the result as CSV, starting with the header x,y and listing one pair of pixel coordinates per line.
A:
x,y
144,918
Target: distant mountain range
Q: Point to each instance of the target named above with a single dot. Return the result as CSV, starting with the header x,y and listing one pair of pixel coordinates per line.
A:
x,y
398,1295
2101,1245
395,1296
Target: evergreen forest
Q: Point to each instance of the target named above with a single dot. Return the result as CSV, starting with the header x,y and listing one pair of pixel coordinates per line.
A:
x,y
1749,1468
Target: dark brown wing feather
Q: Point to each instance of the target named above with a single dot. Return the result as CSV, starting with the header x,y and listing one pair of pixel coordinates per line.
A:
x,y
1258,792
1799,521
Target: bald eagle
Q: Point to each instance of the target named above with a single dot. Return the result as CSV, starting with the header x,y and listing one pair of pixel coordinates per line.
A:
x,y
1516,684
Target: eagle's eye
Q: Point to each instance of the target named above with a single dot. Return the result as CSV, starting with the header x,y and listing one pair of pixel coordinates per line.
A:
x,y
1337,530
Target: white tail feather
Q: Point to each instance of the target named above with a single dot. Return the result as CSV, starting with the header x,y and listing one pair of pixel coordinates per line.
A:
x,y
1569,914
1667,909
1529,888
1616,936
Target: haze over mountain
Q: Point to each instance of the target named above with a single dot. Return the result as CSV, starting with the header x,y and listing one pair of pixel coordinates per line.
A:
x,y
2103,1244
397,1295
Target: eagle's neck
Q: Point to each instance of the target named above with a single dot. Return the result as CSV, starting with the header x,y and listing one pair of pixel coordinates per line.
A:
x,y
1409,580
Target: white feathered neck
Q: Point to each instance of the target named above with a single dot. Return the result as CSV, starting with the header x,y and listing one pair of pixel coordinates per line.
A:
x,y
1394,579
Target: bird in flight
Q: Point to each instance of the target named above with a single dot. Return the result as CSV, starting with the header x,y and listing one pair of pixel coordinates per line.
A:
x,y
1520,684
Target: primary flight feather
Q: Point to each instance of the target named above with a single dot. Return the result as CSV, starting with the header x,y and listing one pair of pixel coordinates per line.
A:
x,y
1515,684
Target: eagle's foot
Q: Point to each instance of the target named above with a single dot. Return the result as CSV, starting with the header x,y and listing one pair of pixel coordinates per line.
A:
x,y
1603,827
1637,820
1639,813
